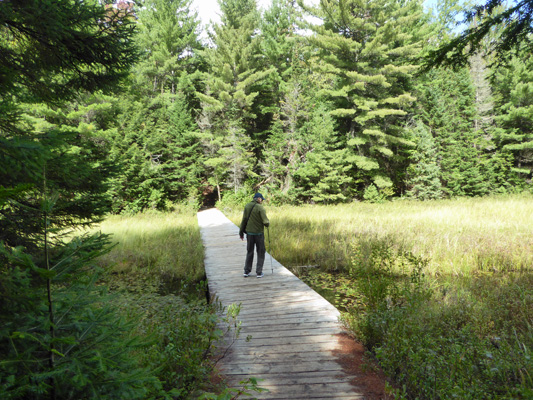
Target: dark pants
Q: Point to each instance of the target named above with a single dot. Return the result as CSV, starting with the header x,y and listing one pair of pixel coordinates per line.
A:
x,y
259,242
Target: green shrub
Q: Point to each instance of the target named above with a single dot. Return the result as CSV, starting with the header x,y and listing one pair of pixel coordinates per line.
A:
x,y
441,351
235,200
386,279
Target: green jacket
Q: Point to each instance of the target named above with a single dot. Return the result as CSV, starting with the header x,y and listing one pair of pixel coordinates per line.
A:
x,y
257,221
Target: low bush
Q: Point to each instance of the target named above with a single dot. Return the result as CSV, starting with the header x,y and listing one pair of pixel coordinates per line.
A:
x,y
177,335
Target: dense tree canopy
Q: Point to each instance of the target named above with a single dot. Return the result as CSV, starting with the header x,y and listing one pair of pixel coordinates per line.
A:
x,y
329,111
326,111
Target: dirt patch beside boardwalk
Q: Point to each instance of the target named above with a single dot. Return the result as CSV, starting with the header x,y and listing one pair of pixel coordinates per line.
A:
x,y
367,376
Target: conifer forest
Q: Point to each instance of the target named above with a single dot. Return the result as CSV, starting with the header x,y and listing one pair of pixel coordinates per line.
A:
x,y
312,112
128,106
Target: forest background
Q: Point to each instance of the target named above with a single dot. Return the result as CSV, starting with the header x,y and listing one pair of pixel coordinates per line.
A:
x,y
124,108
309,114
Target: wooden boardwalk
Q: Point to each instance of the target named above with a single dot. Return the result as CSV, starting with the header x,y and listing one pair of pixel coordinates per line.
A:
x,y
295,334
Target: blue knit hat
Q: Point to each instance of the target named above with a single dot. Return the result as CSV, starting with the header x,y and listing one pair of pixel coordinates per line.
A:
x,y
259,196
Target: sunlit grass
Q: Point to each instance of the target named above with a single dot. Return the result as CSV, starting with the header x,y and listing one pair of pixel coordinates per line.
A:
x,y
457,236
163,244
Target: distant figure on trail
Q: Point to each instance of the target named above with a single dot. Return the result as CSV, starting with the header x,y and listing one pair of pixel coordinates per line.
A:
x,y
253,222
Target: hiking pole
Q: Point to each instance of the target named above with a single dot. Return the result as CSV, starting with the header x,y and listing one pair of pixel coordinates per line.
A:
x,y
270,250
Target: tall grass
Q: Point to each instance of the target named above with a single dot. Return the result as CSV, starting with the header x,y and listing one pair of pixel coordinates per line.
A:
x,y
164,245
459,237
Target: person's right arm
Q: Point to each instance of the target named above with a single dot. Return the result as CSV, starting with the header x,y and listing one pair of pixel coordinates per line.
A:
x,y
264,218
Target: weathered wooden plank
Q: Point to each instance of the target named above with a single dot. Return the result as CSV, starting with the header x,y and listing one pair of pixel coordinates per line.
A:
x,y
281,294
289,333
327,347
293,316
286,309
283,340
298,378
258,369
317,317
332,388
273,356
267,305
277,325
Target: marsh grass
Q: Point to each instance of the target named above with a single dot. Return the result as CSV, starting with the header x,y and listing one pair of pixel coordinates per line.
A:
x,y
458,237
163,246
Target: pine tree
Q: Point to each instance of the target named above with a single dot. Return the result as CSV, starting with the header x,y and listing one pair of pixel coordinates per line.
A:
x,y
369,50
281,46
514,23
231,88
168,39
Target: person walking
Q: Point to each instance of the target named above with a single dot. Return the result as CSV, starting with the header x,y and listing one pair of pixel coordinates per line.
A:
x,y
254,220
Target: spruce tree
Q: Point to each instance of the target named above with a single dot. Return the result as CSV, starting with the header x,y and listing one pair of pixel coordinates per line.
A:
x,y
293,96
287,142
58,337
424,174
155,140
469,160
514,102
50,56
322,172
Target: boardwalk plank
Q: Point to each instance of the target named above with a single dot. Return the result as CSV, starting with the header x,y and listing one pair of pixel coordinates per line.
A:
x,y
289,333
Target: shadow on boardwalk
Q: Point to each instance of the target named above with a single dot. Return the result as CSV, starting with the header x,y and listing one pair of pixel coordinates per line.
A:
x,y
291,338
